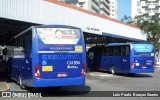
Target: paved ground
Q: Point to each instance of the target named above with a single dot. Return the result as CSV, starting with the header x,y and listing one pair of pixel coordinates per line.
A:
x,y
139,82
3,85
101,81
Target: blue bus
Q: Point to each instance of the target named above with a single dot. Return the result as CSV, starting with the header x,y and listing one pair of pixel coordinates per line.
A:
x,y
48,56
126,58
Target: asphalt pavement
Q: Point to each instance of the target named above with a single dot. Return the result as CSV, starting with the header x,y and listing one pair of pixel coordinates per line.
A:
x,y
100,82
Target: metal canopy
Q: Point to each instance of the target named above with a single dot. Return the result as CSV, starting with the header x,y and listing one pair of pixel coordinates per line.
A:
x,y
103,39
10,28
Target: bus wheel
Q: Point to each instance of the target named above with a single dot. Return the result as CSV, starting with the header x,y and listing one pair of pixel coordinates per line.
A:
x,y
20,83
112,70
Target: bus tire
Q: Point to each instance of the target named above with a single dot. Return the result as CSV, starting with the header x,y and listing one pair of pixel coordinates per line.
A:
x,y
20,82
113,70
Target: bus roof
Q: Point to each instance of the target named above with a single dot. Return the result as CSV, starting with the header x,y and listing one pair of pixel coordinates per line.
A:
x,y
56,26
46,26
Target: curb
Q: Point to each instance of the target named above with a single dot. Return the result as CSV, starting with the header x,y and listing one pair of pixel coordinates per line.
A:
x,y
99,74
8,88
157,67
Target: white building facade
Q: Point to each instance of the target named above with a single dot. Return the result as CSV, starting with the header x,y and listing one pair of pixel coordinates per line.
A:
x,y
114,9
147,7
97,6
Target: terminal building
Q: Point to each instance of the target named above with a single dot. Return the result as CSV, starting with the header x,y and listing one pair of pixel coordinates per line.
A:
x,y
18,15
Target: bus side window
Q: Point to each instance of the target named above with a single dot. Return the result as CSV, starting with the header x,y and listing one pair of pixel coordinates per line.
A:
x,y
28,42
117,51
110,51
19,42
106,51
122,51
127,51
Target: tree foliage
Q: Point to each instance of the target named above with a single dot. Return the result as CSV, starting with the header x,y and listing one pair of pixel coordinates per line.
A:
x,y
127,19
151,27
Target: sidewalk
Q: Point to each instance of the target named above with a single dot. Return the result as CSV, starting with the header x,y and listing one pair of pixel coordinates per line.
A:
x,y
106,74
157,66
3,84
99,74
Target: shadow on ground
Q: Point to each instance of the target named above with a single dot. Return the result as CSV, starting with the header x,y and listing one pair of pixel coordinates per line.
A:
x,y
144,75
136,75
70,91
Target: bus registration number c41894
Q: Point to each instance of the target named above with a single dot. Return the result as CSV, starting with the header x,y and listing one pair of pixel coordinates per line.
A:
x,y
47,68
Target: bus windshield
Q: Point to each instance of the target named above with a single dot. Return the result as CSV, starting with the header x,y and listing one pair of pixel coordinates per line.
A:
x,y
58,35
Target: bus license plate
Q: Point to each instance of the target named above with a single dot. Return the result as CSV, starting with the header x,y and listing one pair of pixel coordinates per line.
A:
x,y
47,68
62,75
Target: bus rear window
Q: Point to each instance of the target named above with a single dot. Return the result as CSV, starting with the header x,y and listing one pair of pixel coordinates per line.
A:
x,y
58,35
143,47
143,50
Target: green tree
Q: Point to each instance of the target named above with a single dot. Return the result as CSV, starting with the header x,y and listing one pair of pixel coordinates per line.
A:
x,y
151,27
127,19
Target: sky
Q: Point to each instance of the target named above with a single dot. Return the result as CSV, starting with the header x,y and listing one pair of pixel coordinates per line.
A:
x,y
124,8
